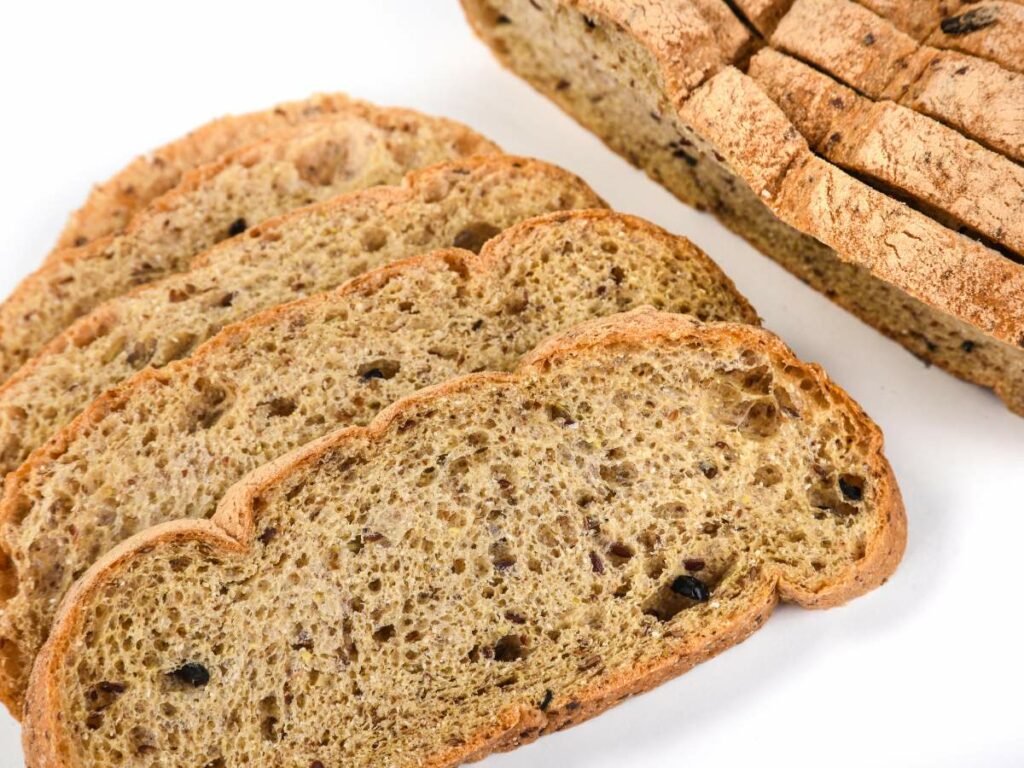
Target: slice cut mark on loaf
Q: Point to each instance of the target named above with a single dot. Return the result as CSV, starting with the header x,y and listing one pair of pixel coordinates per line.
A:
x,y
506,555
734,165
991,29
307,163
913,157
868,53
168,443
304,252
111,205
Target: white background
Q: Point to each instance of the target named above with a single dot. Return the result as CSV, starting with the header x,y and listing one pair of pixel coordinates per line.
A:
x,y
927,671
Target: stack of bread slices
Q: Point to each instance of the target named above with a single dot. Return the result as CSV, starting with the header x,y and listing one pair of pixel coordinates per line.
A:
x,y
335,436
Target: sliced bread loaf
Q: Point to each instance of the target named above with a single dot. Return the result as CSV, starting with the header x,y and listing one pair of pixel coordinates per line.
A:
x,y
660,89
168,443
491,560
307,251
312,161
111,205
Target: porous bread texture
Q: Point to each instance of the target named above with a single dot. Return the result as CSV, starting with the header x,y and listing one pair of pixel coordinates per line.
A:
x,y
307,251
307,163
719,143
111,204
167,444
494,559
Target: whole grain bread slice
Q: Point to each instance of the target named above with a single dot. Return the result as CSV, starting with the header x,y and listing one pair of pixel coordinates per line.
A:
x,y
712,136
168,443
490,560
111,204
310,250
307,163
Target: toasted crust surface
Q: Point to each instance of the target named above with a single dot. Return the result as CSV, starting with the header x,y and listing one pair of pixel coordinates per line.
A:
x,y
111,204
234,535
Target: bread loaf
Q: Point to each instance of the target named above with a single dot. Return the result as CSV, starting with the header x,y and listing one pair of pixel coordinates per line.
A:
x,y
167,443
908,217
307,251
490,560
309,162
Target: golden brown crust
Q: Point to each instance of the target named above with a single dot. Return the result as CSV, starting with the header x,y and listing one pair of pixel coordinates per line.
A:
x,y
111,204
233,528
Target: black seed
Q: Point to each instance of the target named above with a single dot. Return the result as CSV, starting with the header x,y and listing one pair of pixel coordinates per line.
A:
x,y
691,587
708,469
549,696
474,236
589,22
81,240
194,674
967,346
969,22
850,491
503,19
378,369
478,325
682,154
869,39
268,535
238,226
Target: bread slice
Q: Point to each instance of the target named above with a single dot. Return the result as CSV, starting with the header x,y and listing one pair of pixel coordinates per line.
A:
x,y
673,104
312,161
307,251
111,205
168,443
490,560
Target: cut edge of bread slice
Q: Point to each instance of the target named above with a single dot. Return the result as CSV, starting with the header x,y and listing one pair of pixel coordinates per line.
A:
x,y
234,532
536,277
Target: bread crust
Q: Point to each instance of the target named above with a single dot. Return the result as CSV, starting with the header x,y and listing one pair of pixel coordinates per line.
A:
x,y
111,204
233,529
